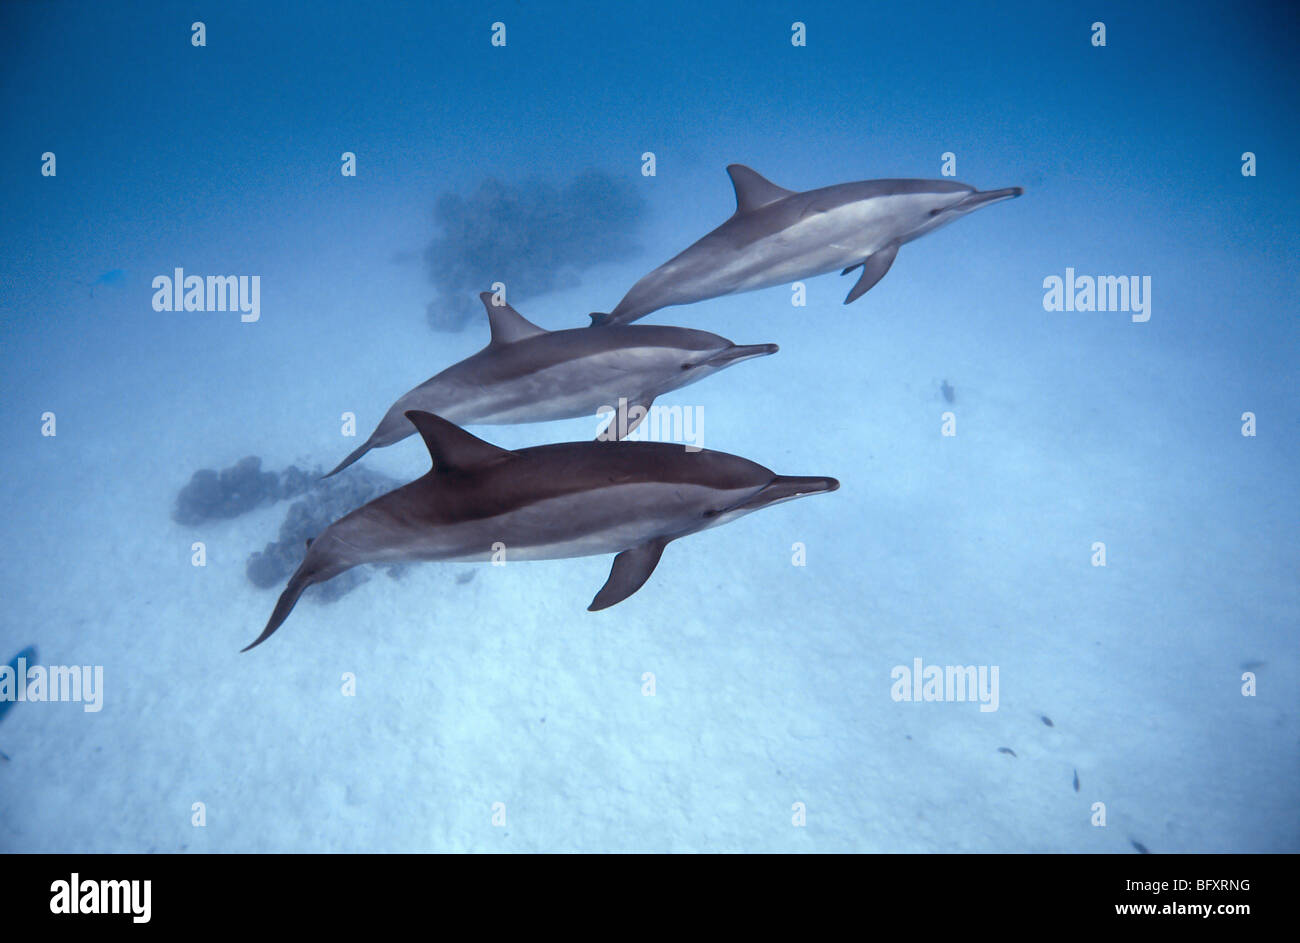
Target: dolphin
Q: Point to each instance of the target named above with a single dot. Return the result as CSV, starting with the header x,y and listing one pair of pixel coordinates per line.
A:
x,y
110,278
17,668
528,374
547,502
777,236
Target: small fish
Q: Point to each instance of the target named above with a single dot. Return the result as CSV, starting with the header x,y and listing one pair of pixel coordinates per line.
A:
x,y
1047,720
948,392
110,278
1251,665
1076,780
27,655
1142,849
1007,750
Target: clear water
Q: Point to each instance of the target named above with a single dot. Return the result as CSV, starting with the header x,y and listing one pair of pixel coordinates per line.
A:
x,y
772,682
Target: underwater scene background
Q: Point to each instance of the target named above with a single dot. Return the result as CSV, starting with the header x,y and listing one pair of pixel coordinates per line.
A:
x,y
1095,510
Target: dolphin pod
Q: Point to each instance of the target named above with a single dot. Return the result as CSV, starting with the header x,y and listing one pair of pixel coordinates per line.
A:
x,y
777,236
527,374
630,499
546,502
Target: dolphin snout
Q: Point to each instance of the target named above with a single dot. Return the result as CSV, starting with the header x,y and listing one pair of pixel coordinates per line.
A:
x,y
984,197
738,352
785,487
813,485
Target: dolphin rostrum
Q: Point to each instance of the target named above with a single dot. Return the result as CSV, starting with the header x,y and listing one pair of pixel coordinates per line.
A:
x,y
777,236
528,374
547,502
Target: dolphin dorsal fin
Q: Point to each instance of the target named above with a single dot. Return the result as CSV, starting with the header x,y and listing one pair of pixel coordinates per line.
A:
x,y
451,447
507,324
753,190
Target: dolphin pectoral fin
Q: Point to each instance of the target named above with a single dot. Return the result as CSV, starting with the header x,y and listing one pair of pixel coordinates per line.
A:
x,y
645,402
874,268
628,574
612,433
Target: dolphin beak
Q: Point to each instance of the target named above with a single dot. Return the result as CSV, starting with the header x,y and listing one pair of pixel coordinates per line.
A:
x,y
737,352
984,197
788,487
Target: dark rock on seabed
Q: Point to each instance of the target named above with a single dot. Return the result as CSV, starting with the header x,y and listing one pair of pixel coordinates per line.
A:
x,y
326,501
533,237
244,486
213,495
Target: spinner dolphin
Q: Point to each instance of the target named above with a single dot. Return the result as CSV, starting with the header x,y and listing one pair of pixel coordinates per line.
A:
x,y
528,374
777,236
547,502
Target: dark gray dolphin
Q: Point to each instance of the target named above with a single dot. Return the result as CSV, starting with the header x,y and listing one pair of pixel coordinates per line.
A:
x,y
548,502
778,236
528,374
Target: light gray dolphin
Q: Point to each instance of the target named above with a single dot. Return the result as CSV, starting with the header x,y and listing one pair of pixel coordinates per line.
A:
x,y
778,236
528,374
547,502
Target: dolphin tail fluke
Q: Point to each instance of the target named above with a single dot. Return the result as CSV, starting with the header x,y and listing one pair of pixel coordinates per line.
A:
x,y
359,451
288,599
630,571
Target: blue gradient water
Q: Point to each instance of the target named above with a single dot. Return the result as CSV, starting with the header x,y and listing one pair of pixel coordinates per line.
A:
x,y
772,683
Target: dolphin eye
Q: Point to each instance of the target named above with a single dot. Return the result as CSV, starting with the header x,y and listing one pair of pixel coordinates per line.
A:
x,y
686,366
711,513
936,211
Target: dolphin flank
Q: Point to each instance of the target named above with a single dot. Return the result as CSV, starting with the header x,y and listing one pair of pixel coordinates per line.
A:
x,y
528,374
547,502
777,236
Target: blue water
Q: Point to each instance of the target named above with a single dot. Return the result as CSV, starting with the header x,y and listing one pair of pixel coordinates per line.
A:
x,y
495,713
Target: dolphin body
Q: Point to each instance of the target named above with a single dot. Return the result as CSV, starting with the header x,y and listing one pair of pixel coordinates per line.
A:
x,y
778,236
547,502
528,374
